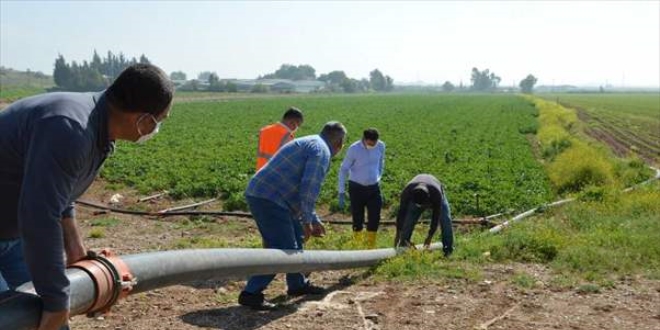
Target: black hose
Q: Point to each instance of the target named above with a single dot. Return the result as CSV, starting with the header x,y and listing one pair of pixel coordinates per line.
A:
x,y
163,214
485,221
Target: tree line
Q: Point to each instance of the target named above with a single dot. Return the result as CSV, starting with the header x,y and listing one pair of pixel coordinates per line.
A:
x,y
99,72
336,81
487,81
93,75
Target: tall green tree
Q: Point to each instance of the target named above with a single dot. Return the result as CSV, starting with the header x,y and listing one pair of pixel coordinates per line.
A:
x,y
96,62
305,72
333,77
62,73
377,80
349,85
293,72
178,75
215,84
484,80
527,84
204,75
380,82
389,83
447,86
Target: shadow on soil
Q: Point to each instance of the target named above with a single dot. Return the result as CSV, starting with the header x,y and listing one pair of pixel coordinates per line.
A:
x,y
242,318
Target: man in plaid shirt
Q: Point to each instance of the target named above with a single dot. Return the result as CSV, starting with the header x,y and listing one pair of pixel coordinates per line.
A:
x,y
282,197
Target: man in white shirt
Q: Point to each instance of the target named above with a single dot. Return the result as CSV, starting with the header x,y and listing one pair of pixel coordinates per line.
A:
x,y
363,165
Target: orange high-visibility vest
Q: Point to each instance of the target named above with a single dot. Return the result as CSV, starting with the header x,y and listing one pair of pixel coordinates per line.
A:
x,y
271,138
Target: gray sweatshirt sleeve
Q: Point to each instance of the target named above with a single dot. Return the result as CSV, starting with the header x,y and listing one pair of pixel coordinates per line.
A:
x,y
53,162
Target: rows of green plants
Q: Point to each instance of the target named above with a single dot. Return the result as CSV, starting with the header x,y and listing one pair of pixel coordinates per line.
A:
x,y
646,105
633,118
478,145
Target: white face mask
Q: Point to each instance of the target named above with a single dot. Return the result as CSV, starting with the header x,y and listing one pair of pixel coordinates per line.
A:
x,y
295,125
146,137
368,146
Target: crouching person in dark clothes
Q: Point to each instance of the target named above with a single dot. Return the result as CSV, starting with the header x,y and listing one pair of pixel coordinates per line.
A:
x,y
52,147
423,192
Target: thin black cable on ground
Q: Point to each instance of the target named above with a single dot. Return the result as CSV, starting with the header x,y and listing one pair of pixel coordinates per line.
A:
x,y
163,214
485,221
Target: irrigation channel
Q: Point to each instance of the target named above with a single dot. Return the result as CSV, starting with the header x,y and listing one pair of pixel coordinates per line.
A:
x,y
98,282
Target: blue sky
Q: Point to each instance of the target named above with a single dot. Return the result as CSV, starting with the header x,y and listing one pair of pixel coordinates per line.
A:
x,y
560,42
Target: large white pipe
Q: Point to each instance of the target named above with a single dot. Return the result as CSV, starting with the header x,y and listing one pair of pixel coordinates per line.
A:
x,y
22,309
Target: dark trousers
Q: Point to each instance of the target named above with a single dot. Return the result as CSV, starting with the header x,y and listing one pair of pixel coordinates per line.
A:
x,y
361,197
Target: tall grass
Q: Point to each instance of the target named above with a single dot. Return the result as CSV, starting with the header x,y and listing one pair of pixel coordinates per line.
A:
x,y
593,240
580,166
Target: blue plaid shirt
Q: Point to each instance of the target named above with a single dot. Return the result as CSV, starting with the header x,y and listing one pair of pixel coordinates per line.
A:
x,y
293,177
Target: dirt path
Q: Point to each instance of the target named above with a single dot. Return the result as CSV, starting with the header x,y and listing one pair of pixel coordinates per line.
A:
x,y
366,305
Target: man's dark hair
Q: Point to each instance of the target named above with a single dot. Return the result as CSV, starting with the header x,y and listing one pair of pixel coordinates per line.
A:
x,y
293,113
420,195
370,134
334,131
141,88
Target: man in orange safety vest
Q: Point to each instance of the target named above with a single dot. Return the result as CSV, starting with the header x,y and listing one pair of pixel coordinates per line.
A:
x,y
274,136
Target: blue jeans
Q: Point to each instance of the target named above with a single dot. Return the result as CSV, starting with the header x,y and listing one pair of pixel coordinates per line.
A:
x,y
279,230
13,270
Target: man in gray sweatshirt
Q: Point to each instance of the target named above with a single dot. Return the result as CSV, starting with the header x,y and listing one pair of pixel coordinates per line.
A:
x,y
52,147
424,192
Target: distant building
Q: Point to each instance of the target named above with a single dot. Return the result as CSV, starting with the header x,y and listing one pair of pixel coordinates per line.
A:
x,y
308,86
555,88
179,83
279,85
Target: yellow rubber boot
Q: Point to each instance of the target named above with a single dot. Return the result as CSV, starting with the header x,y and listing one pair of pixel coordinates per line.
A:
x,y
358,238
371,240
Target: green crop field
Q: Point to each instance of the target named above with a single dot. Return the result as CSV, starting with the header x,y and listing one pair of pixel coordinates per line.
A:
x,y
19,84
628,122
11,94
476,144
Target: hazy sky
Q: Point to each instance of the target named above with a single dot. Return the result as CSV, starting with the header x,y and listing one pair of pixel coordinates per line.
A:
x,y
590,42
